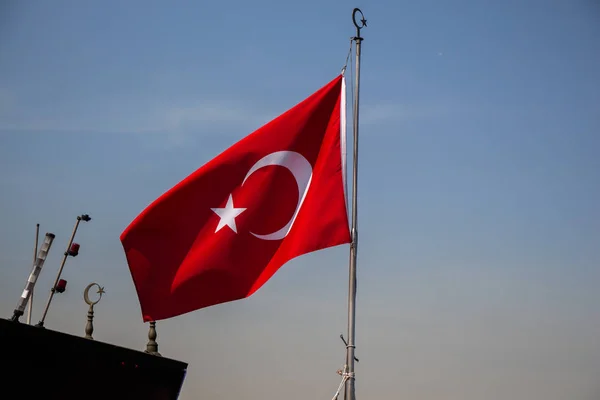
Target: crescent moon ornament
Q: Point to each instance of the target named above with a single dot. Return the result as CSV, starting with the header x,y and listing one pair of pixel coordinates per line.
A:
x,y
86,296
302,172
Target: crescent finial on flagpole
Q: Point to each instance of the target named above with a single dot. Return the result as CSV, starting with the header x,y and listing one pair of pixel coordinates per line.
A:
x,y
362,21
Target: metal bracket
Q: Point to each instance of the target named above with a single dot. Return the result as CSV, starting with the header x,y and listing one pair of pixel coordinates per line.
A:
x,y
346,343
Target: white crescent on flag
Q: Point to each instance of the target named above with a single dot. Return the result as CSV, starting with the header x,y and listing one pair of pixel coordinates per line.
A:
x,y
302,172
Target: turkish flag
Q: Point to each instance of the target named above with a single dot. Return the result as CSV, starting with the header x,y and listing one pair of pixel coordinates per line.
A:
x,y
223,231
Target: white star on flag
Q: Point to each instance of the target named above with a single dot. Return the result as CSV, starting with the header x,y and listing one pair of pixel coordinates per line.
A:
x,y
228,215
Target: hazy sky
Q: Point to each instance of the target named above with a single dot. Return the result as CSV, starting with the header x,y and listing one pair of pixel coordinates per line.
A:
x,y
479,257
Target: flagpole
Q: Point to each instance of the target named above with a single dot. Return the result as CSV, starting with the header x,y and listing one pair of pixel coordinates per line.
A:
x,y
349,393
35,250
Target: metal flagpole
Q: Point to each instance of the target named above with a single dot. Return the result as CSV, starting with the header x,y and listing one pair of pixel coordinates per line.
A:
x,y
349,393
35,250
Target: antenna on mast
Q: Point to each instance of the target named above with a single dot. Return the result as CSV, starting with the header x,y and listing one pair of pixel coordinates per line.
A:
x,y
35,250
72,250
35,272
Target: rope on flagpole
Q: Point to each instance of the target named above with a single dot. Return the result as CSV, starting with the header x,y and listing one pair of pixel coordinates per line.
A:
x,y
345,376
348,56
351,80
344,372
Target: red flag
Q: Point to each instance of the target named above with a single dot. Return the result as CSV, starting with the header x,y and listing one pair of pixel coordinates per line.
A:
x,y
223,231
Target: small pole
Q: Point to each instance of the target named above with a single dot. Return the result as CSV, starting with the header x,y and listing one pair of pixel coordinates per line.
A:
x,y
89,327
152,345
349,393
85,218
35,250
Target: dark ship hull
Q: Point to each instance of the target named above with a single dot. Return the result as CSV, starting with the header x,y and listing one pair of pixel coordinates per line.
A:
x,y
40,363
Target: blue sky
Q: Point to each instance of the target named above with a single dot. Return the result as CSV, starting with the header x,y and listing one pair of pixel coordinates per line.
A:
x,y
479,185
